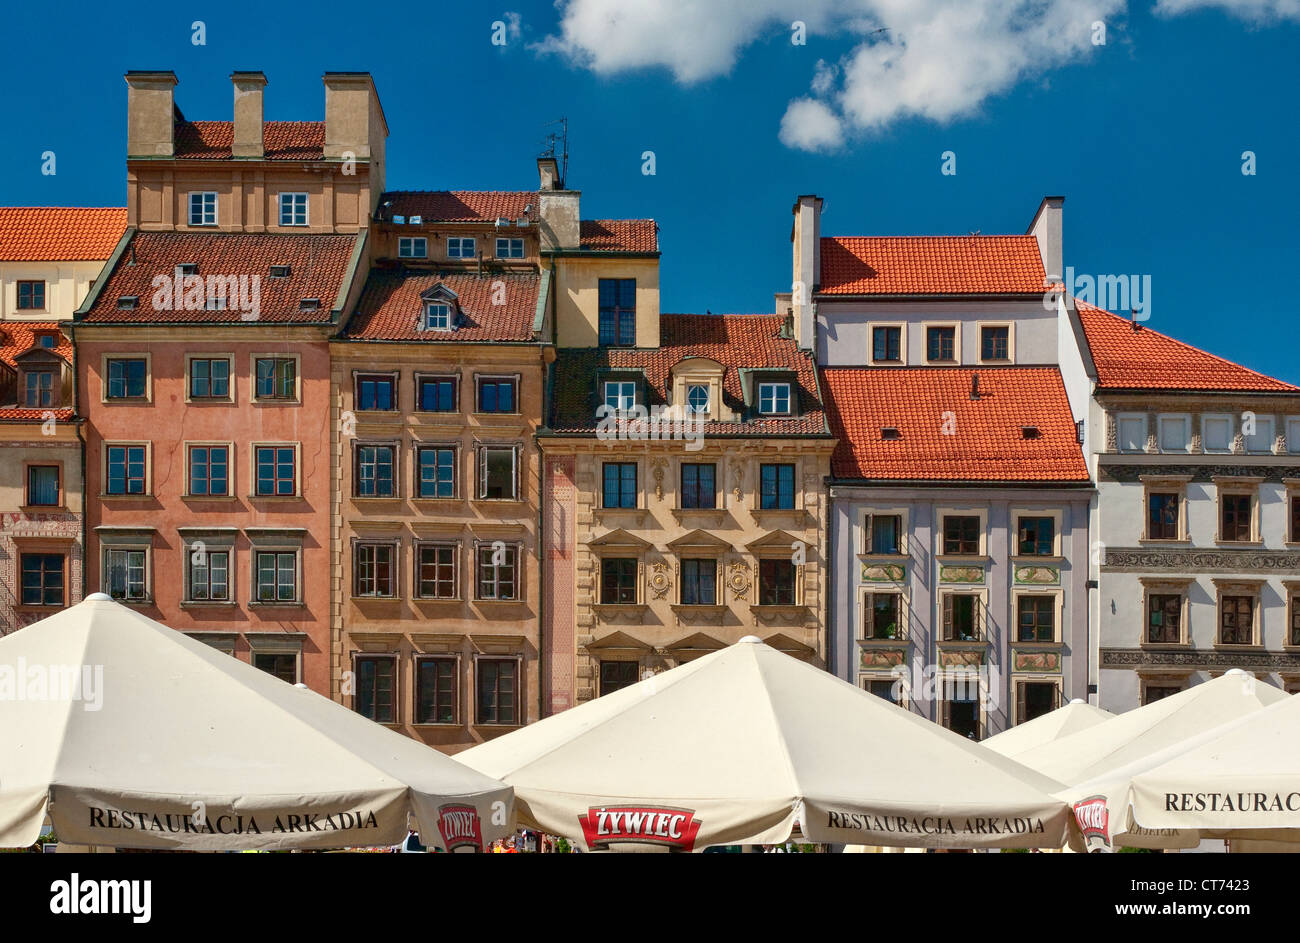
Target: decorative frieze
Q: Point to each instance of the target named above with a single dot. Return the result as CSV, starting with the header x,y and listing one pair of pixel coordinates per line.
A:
x,y
1037,660
1139,659
961,574
1186,560
1037,575
1129,474
883,572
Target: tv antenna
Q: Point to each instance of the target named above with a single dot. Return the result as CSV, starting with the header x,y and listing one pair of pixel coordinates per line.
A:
x,y
558,138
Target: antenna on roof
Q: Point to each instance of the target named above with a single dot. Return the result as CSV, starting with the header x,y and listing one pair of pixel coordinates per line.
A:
x,y
560,138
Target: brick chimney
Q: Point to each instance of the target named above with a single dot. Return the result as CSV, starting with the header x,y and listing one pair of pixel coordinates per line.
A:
x,y
559,215
150,109
248,113
1047,229
805,239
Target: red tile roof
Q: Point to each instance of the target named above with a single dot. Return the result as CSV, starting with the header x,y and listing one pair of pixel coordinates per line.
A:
x,y
18,337
987,442
1148,360
737,341
619,235
460,206
390,307
59,233
281,140
931,265
318,264
23,414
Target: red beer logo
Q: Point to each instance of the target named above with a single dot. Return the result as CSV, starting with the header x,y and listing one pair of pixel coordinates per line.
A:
x,y
460,826
658,825
1094,821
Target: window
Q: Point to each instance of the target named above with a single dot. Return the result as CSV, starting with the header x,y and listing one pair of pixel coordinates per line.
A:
x,y
776,487
1293,633
293,209
510,248
1164,618
1236,620
496,474
619,485
961,534
1235,516
282,665
460,247
617,675
940,343
374,476
1162,516
43,486
374,571
209,378
277,378
887,344
39,388
1037,536
437,317
276,471
496,395
498,692
435,571
126,378
995,343
47,340
436,394
1158,692
961,621
42,579
617,581
209,572
884,688
617,301
277,576
882,616
697,399
1261,440
961,704
124,574
378,393
774,398
497,571
126,469
1131,433
699,582
203,208
437,472
1036,618
209,470
776,583
31,296
698,486
435,691
376,681
1036,698
885,534
1174,433
1295,518
620,395
1216,433
1293,434
412,247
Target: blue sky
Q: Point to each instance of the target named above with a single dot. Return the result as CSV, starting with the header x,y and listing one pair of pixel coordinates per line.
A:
x,y
1143,135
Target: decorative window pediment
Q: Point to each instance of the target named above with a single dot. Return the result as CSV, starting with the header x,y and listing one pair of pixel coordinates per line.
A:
x,y
620,539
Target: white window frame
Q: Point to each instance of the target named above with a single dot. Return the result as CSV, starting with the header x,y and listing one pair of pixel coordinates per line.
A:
x,y
693,410
624,392
510,545
1120,420
1207,418
412,243
254,586
208,200
481,490
775,386
462,247
956,341
1166,420
1011,341
428,323
510,247
902,344
293,204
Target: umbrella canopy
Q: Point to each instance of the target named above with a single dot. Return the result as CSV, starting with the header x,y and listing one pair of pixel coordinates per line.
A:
x,y
1073,717
131,734
745,743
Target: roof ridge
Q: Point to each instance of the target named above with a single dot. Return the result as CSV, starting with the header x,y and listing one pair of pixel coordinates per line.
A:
x,y
983,235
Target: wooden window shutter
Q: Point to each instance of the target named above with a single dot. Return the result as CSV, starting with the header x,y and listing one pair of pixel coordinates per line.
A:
x,y
1021,694
947,616
870,535
482,472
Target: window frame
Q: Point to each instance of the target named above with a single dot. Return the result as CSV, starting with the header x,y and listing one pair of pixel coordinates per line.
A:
x,y
1038,597
255,587
981,327
1226,488
417,579
19,283
1164,419
1019,701
293,208
255,480
1229,418
466,247
518,683
621,482
512,546
429,323
955,327
1120,420
1236,590
394,491
190,359
187,487
1054,515
361,546
421,242
418,450
22,553
203,196
901,327
435,658
761,490
50,392
105,463
1260,420
714,503
979,616
105,385
481,456
867,604
497,380
981,542
617,311
393,378
1153,587
510,247
621,386
29,466
422,378
106,551
761,581
228,551
698,562
275,399
391,658
1175,485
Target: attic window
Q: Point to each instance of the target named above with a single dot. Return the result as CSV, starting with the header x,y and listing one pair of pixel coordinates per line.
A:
x,y
1029,432
309,304
279,271
46,339
889,432
128,302
437,317
188,268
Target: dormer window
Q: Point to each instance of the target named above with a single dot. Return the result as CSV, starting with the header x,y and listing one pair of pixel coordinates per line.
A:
x,y
620,395
47,340
128,302
412,247
40,388
437,317
774,399
889,433
309,304
697,399
460,247
187,268
1029,432
280,271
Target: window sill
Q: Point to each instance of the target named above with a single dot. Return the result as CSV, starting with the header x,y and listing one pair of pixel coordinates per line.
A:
x,y
207,604
1032,560
630,515
437,725
42,508
1164,542
1229,544
494,501
884,557
498,602
374,498
277,605
962,559
717,513
782,613
976,644
275,402
119,401
1251,647
883,642
133,602
209,401
611,611
439,601
34,609
275,498
125,497
712,615
375,599
209,497
1038,645
1167,646
762,513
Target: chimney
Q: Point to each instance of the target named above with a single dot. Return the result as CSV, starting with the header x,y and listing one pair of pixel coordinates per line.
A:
x,y
150,114
975,386
1046,228
805,238
248,113
356,129
559,216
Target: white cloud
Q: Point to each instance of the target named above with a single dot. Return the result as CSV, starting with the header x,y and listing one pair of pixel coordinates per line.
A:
x,y
811,126
1258,11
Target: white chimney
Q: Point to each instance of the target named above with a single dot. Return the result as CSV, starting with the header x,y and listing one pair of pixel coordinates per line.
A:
x,y
805,240
1047,229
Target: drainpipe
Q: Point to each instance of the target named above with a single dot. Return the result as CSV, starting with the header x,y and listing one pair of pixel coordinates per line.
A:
x,y
76,414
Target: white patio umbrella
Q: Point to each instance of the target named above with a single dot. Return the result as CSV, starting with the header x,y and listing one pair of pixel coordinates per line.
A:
x,y
745,743
130,734
1068,719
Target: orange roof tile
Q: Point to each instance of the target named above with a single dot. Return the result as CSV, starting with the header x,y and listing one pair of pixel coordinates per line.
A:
x,y
391,309
17,337
931,265
281,140
987,441
1144,359
619,235
59,233
459,206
